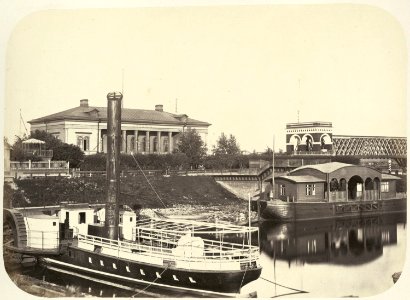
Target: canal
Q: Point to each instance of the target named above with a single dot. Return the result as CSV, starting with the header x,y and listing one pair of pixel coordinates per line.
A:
x,y
327,258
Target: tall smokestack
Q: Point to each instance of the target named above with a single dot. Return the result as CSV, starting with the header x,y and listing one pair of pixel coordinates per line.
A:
x,y
114,100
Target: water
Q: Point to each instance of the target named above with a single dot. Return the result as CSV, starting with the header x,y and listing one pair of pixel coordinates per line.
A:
x,y
332,258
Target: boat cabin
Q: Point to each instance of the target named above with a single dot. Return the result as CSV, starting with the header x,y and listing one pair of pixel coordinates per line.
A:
x,y
43,231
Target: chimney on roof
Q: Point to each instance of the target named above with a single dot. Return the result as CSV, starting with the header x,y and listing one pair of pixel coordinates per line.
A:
x,y
159,107
84,103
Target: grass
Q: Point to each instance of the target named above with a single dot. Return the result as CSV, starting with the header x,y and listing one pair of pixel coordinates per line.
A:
x,y
135,190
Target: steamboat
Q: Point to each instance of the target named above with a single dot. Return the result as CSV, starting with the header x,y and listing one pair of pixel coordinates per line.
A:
x,y
113,243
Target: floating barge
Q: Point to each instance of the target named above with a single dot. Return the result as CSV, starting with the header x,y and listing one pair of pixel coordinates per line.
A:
x,y
332,190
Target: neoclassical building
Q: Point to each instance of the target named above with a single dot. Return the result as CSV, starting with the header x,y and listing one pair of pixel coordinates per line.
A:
x,y
143,131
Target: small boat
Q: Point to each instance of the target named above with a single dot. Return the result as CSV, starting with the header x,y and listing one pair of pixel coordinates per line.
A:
x,y
110,242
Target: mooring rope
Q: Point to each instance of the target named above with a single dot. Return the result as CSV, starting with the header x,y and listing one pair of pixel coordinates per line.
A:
x,y
146,178
148,286
286,287
243,277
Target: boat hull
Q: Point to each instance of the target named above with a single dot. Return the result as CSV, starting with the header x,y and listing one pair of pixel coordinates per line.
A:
x,y
300,211
132,272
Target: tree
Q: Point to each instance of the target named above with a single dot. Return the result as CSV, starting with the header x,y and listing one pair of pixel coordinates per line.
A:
x,y
226,146
61,151
17,152
191,144
70,153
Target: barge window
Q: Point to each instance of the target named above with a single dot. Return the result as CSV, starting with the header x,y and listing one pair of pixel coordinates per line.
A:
x,y
310,189
158,276
142,272
282,190
101,263
90,260
114,266
384,187
128,268
175,278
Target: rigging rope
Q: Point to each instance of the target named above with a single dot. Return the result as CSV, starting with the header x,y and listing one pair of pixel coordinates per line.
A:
x,y
132,154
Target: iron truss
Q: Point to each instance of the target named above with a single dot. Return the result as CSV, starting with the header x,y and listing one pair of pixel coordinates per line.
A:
x,y
376,147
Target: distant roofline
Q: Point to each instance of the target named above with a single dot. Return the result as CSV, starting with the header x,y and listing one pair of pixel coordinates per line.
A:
x,y
58,117
309,124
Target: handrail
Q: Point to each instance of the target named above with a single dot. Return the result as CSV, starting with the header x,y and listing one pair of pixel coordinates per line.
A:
x,y
237,255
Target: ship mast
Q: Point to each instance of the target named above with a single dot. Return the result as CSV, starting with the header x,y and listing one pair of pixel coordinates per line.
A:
x,y
114,100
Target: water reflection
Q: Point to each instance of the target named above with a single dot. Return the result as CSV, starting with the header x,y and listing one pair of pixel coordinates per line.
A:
x,y
335,241
295,257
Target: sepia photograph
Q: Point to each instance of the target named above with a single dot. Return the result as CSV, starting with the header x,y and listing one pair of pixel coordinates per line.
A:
x,y
204,150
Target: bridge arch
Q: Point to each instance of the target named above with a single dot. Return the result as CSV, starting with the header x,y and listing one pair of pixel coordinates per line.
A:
x,y
325,139
295,142
307,141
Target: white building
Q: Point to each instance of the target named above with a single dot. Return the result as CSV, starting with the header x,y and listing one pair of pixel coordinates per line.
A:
x,y
143,131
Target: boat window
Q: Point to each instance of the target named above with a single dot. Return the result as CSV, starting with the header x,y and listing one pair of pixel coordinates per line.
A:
x,y
81,218
142,272
192,280
101,263
158,276
128,268
114,266
175,278
90,260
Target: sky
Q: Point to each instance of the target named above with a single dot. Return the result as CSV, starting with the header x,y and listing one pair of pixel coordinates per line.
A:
x,y
247,70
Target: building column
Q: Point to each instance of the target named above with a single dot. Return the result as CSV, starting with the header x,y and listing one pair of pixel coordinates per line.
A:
x,y
99,142
170,143
159,142
364,191
347,190
124,141
147,142
136,141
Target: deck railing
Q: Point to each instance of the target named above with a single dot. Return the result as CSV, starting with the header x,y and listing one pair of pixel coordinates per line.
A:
x,y
217,252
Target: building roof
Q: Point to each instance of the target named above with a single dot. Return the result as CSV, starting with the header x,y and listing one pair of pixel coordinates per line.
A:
x,y
33,141
301,179
389,177
128,115
324,168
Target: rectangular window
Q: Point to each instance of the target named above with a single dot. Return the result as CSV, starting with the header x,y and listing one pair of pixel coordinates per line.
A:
x,y
310,189
81,218
384,187
282,190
